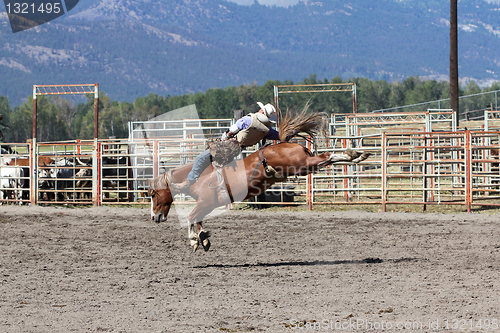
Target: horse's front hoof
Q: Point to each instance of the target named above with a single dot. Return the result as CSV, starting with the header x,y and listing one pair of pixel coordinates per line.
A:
x,y
195,247
206,245
205,242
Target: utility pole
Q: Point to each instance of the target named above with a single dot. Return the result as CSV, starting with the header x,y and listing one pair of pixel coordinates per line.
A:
x,y
454,59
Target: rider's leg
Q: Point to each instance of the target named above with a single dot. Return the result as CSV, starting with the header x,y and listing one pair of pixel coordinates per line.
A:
x,y
201,162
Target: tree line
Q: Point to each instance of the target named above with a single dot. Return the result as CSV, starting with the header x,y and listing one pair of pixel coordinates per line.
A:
x,y
59,119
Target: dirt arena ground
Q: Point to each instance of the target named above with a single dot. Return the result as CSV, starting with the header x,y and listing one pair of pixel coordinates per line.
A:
x,y
113,270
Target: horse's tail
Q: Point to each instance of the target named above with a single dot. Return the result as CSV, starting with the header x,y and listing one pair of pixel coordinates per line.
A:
x,y
314,124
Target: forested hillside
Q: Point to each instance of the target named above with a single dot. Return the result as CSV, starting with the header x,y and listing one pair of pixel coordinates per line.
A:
x,y
59,119
136,47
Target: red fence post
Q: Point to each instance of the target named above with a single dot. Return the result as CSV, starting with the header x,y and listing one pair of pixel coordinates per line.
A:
x,y
346,180
99,175
384,172
33,172
309,184
468,170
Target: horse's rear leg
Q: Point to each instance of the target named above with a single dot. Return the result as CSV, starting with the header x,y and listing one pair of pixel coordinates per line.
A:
x,y
349,156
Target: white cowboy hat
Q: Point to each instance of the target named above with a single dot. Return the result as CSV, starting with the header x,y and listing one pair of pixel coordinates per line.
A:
x,y
269,111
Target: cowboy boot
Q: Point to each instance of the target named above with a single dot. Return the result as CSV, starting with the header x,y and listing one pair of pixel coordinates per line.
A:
x,y
184,186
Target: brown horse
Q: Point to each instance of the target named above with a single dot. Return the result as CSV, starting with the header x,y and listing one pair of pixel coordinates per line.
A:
x,y
242,179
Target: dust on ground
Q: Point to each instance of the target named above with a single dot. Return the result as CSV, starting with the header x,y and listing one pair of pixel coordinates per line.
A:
x,y
111,269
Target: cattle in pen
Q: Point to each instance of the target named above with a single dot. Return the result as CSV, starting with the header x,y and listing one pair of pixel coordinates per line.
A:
x,y
11,183
24,163
62,174
114,175
57,180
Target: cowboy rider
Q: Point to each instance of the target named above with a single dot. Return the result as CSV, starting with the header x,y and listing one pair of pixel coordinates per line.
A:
x,y
248,130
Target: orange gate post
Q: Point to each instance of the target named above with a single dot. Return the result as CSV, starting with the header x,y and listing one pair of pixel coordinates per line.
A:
x,y
384,172
309,184
468,170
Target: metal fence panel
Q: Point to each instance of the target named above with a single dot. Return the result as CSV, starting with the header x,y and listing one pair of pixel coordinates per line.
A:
x,y
15,170
424,168
60,177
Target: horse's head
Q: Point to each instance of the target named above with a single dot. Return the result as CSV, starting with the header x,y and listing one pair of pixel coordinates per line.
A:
x,y
161,199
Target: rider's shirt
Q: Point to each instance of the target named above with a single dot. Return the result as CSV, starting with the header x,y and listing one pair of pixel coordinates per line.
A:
x,y
252,130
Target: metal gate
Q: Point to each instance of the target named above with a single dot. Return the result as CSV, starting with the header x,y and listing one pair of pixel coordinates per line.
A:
x,y
423,168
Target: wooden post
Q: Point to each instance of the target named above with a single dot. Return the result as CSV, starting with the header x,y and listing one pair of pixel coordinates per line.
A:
x,y
454,59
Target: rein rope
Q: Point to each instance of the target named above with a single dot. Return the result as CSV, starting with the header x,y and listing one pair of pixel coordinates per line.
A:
x,y
222,186
220,177
262,161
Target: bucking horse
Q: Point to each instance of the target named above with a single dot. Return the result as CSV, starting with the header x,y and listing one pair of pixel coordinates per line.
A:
x,y
245,178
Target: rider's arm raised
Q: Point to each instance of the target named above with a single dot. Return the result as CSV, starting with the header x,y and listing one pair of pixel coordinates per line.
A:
x,y
240,124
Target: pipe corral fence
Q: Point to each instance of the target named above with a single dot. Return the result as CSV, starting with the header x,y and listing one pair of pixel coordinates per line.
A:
x,y
418,158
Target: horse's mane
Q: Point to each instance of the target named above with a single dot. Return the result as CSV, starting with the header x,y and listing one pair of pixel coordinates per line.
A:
x,y
161,182
314,124
158,183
